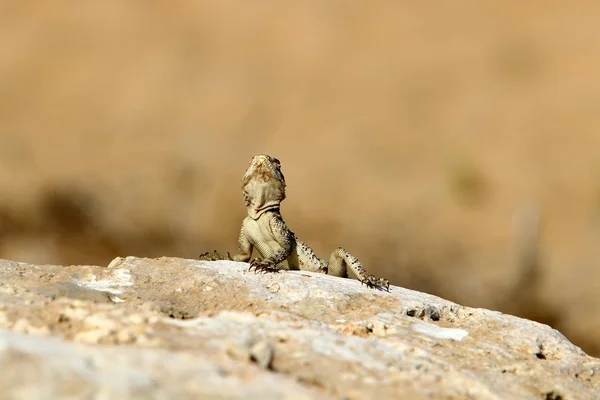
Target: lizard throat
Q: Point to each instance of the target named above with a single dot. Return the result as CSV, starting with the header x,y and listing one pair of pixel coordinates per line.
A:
x,y
255,213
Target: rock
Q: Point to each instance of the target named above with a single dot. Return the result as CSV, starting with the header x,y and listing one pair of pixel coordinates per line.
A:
x,y
174,328
262,353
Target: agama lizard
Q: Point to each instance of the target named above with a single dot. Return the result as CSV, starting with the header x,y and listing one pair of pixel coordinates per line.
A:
x,y
263,186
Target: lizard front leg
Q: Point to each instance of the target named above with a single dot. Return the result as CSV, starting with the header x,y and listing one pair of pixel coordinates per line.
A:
x,y
344,264
245,247
284,238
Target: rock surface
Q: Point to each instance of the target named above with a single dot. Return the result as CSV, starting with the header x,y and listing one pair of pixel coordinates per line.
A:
x,y
174,328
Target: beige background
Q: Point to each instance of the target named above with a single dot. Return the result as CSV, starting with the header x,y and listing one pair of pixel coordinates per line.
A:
x,y
412,133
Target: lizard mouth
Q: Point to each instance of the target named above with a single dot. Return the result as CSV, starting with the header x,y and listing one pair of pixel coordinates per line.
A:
x,y
264,167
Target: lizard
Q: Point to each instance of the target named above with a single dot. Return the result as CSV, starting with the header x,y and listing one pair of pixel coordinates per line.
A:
x,y
263,188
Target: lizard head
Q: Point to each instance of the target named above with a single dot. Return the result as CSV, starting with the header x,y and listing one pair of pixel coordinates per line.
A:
x,y
263,185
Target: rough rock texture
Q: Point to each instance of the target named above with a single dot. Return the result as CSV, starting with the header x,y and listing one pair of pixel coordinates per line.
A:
x,y
175,328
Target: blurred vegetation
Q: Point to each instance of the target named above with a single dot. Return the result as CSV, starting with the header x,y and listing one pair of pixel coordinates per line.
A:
x,y
125,128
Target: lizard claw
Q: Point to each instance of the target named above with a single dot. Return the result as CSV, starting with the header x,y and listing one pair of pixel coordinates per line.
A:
x,y
384,283
373,282
209,256
368,280
263,266
214,256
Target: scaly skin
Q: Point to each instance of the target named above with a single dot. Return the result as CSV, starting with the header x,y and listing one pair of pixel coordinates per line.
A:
x,y
263,186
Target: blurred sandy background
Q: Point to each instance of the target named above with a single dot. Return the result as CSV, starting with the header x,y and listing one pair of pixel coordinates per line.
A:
x,y
415,134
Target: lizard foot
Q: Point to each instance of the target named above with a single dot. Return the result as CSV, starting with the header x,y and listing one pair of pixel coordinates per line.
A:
x,y
214,256
374,282
263,266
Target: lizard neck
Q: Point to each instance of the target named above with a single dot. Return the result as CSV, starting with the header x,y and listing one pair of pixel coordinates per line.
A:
x,y
255,213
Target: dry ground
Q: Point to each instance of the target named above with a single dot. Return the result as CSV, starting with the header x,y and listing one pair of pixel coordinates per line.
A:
x,y
411,133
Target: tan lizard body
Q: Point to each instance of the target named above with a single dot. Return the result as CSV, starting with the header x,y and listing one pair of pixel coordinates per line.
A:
x,y
263,186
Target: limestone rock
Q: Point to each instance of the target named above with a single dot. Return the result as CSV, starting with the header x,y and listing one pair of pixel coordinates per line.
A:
x,y
173,328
